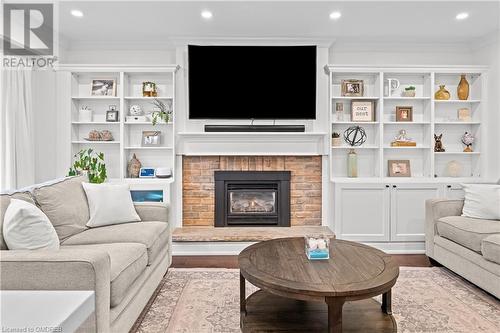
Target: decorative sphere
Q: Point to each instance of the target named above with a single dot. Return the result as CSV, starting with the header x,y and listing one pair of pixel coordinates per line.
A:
x,y
355,136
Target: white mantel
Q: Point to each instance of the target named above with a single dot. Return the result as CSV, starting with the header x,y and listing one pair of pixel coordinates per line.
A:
x,y
267,143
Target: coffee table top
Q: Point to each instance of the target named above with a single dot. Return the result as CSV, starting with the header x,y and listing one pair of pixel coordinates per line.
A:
x,y
354,270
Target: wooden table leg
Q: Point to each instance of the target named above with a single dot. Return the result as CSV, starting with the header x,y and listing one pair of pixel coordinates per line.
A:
x,y
387,302
335,305
243,300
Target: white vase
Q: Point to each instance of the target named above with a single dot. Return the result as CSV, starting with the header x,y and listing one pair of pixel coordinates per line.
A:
x,y
85,115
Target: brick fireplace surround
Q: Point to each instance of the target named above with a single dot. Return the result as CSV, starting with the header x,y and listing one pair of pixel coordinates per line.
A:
x,y
198,185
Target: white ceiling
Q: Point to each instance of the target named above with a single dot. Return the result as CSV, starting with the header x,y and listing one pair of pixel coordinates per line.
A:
x,y
158,21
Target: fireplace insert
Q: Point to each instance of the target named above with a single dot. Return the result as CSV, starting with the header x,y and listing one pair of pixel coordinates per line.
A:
x,y
252,198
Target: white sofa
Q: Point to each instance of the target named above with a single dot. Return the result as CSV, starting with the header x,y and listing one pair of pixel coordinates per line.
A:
x,y
469,247
123,264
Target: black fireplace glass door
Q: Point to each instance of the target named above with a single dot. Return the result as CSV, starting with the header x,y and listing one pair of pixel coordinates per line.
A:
x,y
252,202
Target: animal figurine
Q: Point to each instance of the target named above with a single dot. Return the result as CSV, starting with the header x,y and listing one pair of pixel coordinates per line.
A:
x,y
438,144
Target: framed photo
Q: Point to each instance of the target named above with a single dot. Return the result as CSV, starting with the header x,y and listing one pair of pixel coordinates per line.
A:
x,y
399,168
112,116
362,111
151,138
464,114
404,113
103,87
352,88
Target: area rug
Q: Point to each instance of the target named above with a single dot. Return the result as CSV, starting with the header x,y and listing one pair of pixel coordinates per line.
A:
x,y
424,300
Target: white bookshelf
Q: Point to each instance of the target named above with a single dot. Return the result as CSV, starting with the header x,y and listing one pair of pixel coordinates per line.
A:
x,y
429,116
127,136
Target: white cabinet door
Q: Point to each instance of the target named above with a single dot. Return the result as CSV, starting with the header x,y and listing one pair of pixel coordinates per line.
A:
x,y
408,210
362,212
454,191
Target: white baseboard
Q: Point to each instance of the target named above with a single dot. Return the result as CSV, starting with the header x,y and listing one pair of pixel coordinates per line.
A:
x,y
234,248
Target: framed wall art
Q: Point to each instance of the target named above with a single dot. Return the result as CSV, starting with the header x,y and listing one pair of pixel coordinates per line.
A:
x,y
363,111
352,88
404,113
103,87
399,168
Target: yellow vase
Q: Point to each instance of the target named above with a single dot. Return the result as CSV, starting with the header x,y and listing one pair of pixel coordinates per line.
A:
x,y
463,88
442,93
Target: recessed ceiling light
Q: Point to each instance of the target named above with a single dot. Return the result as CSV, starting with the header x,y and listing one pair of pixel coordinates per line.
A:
x,y
335,15
206,14
77,13
462,16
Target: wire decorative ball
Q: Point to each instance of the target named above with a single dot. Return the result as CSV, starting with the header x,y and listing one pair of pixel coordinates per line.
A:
x,y
355,136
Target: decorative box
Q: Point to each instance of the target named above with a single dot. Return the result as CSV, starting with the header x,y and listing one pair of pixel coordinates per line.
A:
x,y
317,247
136,119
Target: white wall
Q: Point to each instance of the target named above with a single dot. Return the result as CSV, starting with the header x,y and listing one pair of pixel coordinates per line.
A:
x,y
487,52
400,53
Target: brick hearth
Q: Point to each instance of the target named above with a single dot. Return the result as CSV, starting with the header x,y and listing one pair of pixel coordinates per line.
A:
x,y
198,185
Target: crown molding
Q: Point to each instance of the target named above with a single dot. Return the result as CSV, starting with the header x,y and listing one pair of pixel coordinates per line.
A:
x,y
265,41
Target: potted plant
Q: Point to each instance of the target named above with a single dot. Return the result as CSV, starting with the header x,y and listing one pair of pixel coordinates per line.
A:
x,y
409,91
336,141
163,113
91,163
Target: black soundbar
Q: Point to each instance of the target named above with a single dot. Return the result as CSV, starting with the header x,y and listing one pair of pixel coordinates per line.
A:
x,y
255,128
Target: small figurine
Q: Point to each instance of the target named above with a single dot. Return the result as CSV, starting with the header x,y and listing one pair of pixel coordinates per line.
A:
x,y
133,167
401,140
468,140
438,145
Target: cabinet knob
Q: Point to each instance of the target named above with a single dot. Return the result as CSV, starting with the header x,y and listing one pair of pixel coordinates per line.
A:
x,y
387,186
448,186
394,186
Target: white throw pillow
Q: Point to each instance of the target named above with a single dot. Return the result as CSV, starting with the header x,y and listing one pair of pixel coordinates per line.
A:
x,y
482,201
109,204
26,227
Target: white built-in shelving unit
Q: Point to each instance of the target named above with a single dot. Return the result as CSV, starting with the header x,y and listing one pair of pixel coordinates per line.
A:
x,y
429,116
127,135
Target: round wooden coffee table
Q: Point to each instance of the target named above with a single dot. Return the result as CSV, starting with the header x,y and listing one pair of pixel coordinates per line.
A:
x,y
291,286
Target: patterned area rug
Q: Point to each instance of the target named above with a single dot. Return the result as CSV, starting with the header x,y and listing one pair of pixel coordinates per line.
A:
x,y
424,300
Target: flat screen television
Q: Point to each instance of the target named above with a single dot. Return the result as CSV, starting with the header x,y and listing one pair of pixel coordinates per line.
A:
x,y
252,82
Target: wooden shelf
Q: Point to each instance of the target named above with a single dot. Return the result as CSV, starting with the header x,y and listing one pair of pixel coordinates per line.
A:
x,y
148,98
97,98
95,122
417,98
359,147
458,101
146,123
407,122
95,142
407,147
129,82
457,153
147,148
457,123
428,116
352,97
355,122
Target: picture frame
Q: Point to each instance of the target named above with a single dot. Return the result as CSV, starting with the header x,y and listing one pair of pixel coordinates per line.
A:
x,y
151,138
112,116
352,88
399,168
404,113
363,110
103,87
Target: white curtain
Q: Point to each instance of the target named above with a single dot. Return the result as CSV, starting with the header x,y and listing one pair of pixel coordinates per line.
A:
x,y
17,166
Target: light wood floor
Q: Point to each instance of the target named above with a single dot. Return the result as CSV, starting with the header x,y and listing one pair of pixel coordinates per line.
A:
x,y
413,260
